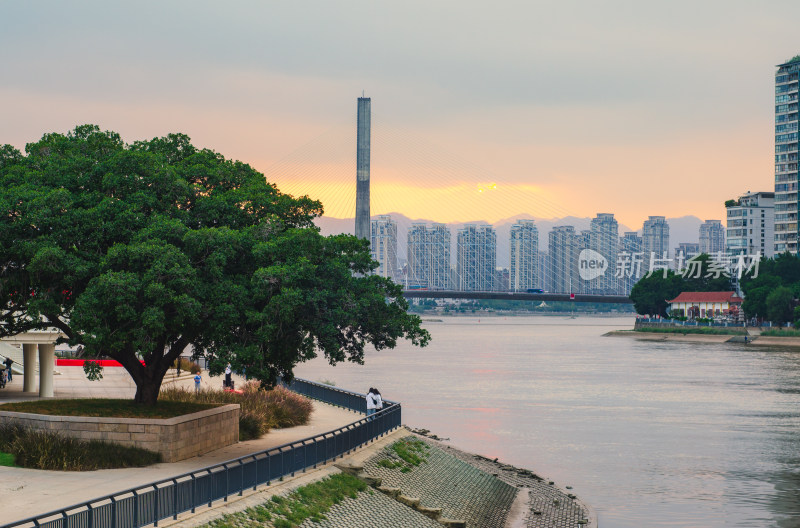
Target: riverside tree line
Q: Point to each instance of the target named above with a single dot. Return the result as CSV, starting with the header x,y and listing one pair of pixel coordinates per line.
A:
x,y
771,296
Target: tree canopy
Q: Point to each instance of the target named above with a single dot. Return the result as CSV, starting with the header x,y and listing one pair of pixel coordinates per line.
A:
x,y
650,294
140,251
781,273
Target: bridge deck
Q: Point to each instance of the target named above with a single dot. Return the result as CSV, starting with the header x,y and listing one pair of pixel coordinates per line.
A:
x,y
515,296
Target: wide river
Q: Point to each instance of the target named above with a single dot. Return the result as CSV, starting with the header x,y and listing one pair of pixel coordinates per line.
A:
x,y
650,434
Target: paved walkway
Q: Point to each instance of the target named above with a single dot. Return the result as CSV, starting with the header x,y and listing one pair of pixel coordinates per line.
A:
x,y
71,382
28,492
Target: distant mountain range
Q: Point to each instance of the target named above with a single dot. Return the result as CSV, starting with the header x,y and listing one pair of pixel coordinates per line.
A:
x,y
681,229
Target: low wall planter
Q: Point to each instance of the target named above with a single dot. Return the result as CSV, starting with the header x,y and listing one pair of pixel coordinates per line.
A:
x,y
175,438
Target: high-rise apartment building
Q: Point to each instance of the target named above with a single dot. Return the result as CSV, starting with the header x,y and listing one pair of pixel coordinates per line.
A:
x,y
687,250
751,224
524,255
476,258
428,254
787,175
383,245
712,237
563,253
604,239
655,238
416,272
582,241
542,274
630,247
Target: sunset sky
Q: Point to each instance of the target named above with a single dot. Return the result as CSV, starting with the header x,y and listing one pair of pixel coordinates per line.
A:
x,y
481,110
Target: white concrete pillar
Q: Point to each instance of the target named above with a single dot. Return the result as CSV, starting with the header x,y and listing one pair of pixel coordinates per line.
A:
x,y
29,366
47,354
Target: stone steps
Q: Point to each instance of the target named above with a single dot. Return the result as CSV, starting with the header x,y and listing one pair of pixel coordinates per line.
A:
x,y
15,354
397,494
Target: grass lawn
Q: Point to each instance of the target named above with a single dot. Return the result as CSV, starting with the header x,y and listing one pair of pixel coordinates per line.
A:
x,y
781,332
311,501
7,459
107,408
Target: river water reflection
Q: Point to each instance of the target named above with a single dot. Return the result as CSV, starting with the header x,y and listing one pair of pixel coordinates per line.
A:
x,y
650,434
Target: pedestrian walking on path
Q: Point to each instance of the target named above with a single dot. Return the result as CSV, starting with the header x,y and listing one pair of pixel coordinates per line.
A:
x,y
228,372
371,402
8,363
197,380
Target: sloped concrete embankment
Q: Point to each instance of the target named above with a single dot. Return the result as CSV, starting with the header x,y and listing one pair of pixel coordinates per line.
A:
x,y
452,488
753,338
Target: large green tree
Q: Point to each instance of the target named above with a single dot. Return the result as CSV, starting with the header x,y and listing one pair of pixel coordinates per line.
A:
x,y
141,251
650,294
781,272
779,305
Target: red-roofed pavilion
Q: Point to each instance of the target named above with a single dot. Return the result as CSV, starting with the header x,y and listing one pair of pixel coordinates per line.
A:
x,y
705,304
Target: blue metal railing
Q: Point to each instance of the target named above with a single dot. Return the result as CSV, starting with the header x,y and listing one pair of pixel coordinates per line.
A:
x,y
150,503
329,394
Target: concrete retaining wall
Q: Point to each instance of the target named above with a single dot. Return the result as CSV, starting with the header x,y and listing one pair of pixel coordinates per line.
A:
x,y
175,438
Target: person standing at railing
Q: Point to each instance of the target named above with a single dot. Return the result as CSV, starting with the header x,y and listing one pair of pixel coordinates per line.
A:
x,y
371,401
378,400
8,363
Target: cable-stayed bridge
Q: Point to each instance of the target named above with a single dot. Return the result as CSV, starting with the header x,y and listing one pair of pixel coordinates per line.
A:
x,y
469,261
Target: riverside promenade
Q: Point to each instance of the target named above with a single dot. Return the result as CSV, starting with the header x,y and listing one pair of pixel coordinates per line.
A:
x,y
468,488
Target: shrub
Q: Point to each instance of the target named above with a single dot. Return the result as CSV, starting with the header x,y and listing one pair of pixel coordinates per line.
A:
x,y
249,426
187,365
270,409
50,450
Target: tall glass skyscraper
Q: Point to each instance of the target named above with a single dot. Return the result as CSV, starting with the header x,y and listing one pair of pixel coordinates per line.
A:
x,y
787,176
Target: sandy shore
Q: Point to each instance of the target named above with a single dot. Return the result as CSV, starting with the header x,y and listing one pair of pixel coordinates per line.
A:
x,y
703,338
776,341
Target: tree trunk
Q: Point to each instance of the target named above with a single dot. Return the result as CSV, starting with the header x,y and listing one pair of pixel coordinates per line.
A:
x,y
148,377
147,391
